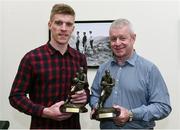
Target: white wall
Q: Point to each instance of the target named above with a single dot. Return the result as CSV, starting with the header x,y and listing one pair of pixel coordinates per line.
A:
x,y
24,27
0,55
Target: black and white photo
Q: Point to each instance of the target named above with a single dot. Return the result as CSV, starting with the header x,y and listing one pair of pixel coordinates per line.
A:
x,y
91,38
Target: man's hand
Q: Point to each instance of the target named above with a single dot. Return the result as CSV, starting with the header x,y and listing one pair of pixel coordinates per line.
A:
x,y
92,112
79,97
54,113
123,117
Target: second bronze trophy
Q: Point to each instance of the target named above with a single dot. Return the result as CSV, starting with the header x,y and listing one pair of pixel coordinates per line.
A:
x,y
79,83
101,112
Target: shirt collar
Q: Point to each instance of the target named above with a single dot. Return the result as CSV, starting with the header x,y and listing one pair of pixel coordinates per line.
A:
x,y
52,50
131,61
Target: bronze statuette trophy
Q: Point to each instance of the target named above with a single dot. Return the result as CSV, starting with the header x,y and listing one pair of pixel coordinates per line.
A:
x,y
79,83
101,112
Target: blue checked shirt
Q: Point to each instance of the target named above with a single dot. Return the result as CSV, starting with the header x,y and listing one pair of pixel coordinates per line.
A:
x,y
139,87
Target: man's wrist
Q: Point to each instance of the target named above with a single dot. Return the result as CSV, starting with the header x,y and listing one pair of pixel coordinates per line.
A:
x,y
130,116
46,113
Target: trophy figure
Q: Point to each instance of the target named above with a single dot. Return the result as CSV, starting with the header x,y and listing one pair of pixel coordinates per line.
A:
x,y
79,82
101,112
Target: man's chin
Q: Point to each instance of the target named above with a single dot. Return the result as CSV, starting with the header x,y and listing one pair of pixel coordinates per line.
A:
x,y
63,42
119,54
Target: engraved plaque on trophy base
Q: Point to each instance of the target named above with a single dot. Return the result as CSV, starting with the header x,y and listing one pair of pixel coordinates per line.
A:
x,y
71,108
105,113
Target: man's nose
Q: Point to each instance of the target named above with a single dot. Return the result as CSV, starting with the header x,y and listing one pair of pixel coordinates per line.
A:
x,y
63,27
118,41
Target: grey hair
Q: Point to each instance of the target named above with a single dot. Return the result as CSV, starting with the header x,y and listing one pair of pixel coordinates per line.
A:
x,y
119,23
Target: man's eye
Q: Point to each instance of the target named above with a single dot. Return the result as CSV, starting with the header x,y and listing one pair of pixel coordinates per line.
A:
x,y
69,24
122,38
113,39
58,22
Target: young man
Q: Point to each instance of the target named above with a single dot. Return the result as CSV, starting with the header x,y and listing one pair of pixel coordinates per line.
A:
x,y
77,40
84,40
91,39
46,73
140,93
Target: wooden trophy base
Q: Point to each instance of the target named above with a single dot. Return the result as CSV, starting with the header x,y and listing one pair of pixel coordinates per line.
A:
x,y
105,113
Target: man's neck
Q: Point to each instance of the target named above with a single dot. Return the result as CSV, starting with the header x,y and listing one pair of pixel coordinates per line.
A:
x,y
122,60
62,48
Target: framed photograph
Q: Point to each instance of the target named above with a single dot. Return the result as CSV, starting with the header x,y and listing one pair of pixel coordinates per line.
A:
x,y
92,39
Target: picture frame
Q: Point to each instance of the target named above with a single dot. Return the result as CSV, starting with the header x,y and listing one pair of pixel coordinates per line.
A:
x,y
96,44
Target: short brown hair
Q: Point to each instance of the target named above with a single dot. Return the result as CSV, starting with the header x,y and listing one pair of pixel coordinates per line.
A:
x,y
62,9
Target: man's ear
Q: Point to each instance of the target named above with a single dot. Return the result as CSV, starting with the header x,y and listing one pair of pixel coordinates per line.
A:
x,y
134,37
73,28
49,25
